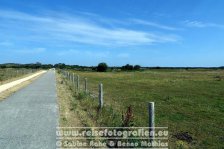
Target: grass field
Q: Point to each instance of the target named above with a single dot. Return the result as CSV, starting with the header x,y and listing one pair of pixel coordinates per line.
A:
x,y
187,101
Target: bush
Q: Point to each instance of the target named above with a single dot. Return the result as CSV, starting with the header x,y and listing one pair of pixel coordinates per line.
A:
x,y
102,67
137,67
60,65
127,67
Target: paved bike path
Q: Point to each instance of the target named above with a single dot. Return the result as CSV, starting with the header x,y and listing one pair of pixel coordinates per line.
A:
x,y
29,117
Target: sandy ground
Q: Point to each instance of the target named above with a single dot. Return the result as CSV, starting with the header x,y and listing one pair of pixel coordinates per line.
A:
x,y
14,83
11,87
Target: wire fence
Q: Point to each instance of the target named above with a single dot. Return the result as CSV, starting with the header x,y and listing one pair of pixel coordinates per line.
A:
x,y
80,84
9,73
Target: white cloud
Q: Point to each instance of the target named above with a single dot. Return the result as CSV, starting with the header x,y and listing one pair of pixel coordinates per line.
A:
x,y
199,24
153,24
16,15
85,53
78,29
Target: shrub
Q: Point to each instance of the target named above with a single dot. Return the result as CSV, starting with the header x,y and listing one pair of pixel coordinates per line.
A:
x,y
102,67
127,67
137,67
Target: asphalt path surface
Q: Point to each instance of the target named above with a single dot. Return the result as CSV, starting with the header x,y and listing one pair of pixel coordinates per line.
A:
x,y
29,117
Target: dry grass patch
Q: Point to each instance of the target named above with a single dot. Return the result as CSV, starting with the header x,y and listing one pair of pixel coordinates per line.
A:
x,y
68,118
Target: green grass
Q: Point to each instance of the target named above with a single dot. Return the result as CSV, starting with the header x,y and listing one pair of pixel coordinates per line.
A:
x,y
185,100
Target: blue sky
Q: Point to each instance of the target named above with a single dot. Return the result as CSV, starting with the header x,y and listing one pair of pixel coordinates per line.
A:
x,y
86,32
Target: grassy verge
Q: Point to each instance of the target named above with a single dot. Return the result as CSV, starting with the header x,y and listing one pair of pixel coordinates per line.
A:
x,y
67,104
70,111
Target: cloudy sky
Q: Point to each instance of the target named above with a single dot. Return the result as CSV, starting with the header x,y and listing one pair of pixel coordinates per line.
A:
x,y
86,32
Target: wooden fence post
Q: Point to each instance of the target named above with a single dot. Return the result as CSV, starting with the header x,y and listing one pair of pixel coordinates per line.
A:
x,y
77,83
69,75
85,85
151,111
70,78
73,78
100,95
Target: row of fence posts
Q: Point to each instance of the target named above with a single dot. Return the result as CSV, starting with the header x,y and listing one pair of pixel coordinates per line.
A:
x,y
15,73
76,82
151,109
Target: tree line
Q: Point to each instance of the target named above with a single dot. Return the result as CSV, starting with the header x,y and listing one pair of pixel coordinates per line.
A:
x,y
101,67
37,65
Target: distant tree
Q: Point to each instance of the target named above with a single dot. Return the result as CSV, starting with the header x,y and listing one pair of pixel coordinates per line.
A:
x,y
2,66
94,68
33,65
60,65
221,67
102,67
38,65
137,67
127,67
47,66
